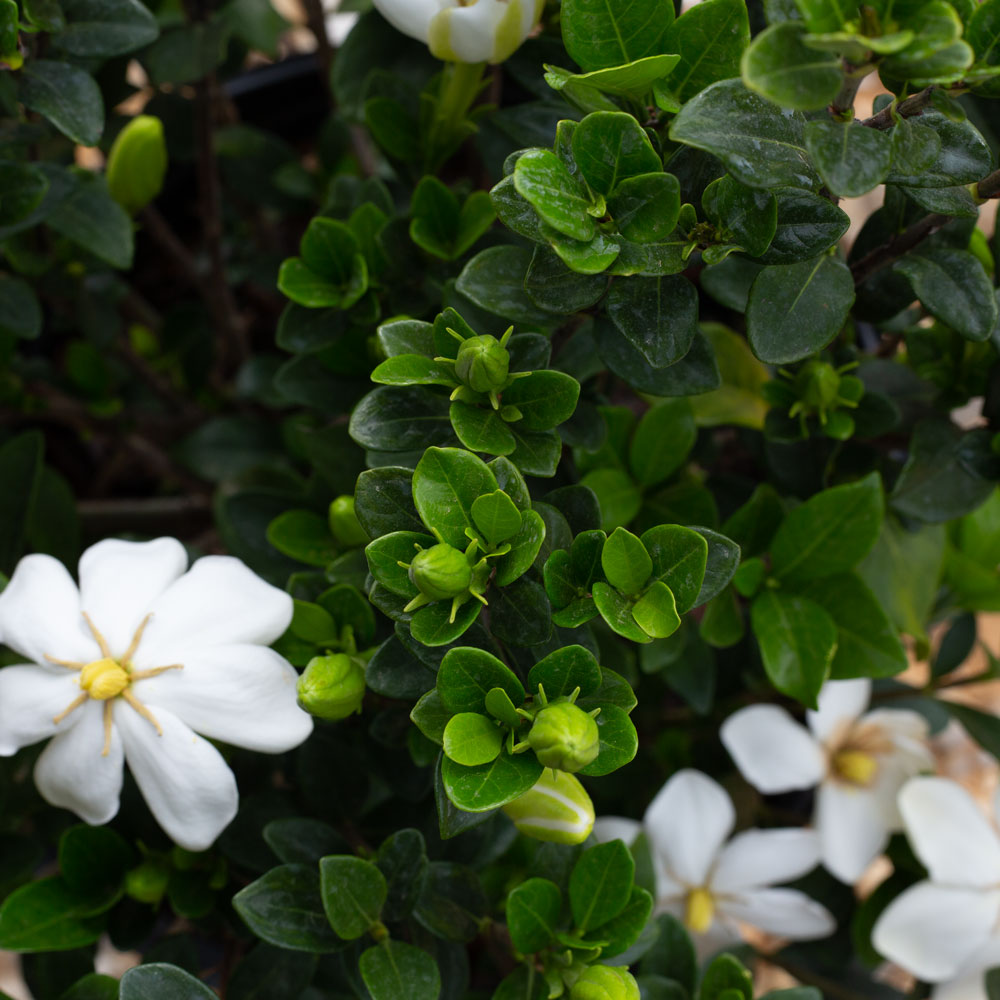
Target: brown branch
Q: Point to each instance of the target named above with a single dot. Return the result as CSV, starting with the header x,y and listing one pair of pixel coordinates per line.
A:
x,y
316,20
907,108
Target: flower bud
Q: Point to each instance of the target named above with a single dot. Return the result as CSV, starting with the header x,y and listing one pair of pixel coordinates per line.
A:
x,y
557,808
137,163
818,385
344,524
605,982
469,31
482,364
440,572
332,687
147,882
564,737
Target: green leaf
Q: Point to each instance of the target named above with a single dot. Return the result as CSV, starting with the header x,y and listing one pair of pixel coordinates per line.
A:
x,y
537,452
20,313
452,904
413,369
545,399
626,563
499,705
487,786
386,553
24,186
310,288
524,548
672,955
981,726
467,674
867,643
850,158
656,611
552,285
633,79
494,281
45,14
67,96
394,970
830,533
662,441
383,501
544,181
564,670
446,483
710,38
303,535
760,145
963,155
617,494
432,624
435,212
807,225
520,614
270,973
658,316
622,931
102,28
616,610
93,861
298,840
610,146
600,34
797,309
778,66
953,287
679,557
645,207
723,559
92,219
285,907
471,738
797,640
495,515
48,915
743,215
91,987
353,893
481,428
600,885
533,910
157,979
726,979
21,463
525,983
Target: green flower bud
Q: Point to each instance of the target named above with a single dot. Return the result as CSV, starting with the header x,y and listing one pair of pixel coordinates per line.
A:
x,y
332,687
147,882
137,163
344,524
564,737
818,384
482,364
440,572
605,982
557,809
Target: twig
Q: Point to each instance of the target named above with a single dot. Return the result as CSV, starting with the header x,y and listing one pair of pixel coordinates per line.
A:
x,y
316,19
907,108
900,244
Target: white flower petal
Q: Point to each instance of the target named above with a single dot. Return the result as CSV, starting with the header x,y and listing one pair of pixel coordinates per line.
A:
x,y
765,857
120,580
72,772
840,703
687,823
721,936
219,601
241,694
186,784
773,752
949,833
616,828
787,912
30,698
411,17
852,828
970,984
486,31
40,613
932,930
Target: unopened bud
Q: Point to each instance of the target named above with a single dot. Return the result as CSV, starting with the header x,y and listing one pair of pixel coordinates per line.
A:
x,y
344,524
483,364
440,572
565,737
147,882
818,384
605,982
332,687
137,163
557,808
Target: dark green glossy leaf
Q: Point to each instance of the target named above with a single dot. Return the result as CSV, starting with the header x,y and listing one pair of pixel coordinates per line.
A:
x,y
533,910
780,67
600,885
353,893
658,316
394,970
598,34
479,789
851,159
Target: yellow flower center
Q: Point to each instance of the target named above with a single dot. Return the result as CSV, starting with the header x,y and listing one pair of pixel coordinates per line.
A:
x,y
699,911
109,678
103,679
855,767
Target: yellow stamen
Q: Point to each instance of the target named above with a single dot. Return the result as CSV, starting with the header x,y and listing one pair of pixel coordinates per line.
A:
x,y
101,641
142,710
136,639
71,707
141,675
107,729
699,911
71,664
855,766
104,679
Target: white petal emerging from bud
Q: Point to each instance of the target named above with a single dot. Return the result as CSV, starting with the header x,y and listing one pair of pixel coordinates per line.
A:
x,y
557,808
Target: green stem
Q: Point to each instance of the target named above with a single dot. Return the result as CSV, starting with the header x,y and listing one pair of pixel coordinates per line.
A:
x,y
460,86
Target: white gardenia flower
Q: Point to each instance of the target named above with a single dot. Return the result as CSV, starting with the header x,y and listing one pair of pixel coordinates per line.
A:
x,y
714,886
131,665
858,759
470,31
946,929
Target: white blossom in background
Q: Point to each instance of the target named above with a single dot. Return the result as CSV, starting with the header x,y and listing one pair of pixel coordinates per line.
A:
x,y
470,31
713,885
131,665
946,929
859,760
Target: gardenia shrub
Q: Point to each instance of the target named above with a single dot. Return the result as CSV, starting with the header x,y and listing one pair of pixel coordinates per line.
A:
x,y
464,509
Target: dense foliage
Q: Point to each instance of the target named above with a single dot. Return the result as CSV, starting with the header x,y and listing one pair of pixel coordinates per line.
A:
x,y
548,394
